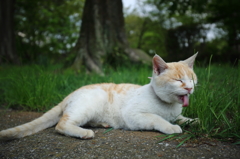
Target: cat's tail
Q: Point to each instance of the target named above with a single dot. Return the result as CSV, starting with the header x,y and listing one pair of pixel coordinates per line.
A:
x,y
48,119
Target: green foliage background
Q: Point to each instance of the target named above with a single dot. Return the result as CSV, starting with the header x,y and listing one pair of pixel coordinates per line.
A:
x,y
46,29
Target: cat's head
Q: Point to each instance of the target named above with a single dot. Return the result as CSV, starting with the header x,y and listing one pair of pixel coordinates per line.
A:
x,y
173,82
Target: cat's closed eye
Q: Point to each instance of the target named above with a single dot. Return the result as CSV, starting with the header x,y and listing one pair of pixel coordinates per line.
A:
x,y
178,80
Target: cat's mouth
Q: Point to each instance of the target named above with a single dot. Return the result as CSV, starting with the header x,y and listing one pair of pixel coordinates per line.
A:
x,y
184,99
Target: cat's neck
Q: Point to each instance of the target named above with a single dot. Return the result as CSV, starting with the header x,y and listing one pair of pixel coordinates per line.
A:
x,y
156,97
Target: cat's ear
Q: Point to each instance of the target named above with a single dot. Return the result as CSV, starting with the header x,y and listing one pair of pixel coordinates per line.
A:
x,y
159,65
190,60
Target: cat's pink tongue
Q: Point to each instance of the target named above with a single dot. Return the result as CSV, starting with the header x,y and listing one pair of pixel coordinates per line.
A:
x,y
185,100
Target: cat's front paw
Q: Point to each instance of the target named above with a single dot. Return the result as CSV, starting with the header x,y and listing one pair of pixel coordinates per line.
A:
x,y
172,129
88,134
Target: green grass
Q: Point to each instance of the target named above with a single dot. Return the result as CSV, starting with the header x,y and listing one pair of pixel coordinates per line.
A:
x,y
216,101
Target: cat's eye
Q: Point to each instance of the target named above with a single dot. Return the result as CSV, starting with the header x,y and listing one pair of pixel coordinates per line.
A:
x,y
178,80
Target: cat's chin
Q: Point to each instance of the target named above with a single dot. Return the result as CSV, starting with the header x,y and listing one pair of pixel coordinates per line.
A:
x,y
184,100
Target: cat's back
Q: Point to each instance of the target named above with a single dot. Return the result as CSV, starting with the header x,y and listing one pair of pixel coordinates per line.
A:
x,y
105,91
112,89
122,88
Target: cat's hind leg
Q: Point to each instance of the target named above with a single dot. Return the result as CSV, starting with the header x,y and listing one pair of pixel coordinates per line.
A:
x,y
71,128
83,106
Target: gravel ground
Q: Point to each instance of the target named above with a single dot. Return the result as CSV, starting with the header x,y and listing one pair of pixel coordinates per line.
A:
x,y
114,144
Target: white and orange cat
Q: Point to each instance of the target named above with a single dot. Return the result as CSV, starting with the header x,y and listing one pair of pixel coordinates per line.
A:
x,y
121,106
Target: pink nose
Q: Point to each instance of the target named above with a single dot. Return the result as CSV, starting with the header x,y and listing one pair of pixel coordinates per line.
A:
x,y
188,89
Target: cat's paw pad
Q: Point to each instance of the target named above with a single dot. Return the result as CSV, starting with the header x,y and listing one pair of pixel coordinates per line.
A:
x,y
172,129
89,134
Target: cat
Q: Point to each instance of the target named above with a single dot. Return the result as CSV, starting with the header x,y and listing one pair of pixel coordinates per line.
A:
x,y
121,106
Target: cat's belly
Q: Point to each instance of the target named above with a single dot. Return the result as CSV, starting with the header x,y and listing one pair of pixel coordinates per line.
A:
x,y
107,121
98,125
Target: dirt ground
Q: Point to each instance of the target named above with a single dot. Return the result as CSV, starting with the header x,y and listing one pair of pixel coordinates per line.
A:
x,y
114,144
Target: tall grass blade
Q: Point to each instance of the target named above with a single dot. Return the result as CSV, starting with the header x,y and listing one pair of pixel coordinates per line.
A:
x,y
182,142
110,129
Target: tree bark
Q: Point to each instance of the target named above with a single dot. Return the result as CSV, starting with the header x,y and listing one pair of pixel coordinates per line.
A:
x,y
7,39
102,33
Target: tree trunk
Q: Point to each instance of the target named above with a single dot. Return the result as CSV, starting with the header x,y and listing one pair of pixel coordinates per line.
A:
x,y
7,39
233,43
102,34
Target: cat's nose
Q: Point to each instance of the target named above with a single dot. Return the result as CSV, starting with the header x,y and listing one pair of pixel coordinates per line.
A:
x,y
188,89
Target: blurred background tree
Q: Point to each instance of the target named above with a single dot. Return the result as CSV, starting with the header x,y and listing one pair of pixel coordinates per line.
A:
x,y
187,26
102,37
46,32
7,38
